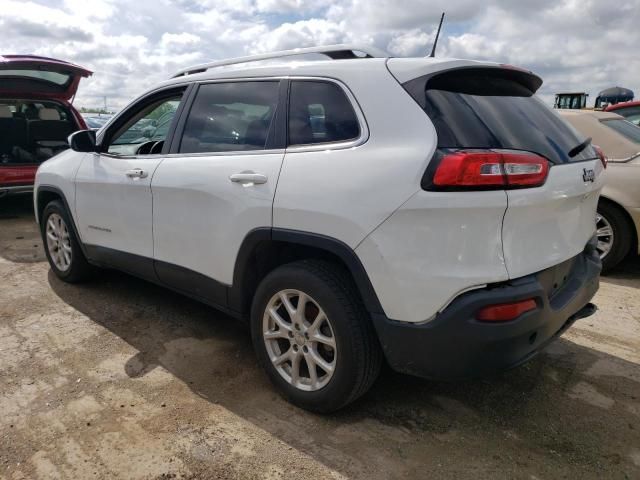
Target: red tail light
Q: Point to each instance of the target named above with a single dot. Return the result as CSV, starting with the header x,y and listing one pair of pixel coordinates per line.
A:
x,y
504,312
490,169
601,155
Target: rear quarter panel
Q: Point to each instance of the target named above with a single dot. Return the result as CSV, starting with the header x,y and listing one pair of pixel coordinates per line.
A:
x,y
345,193
434,247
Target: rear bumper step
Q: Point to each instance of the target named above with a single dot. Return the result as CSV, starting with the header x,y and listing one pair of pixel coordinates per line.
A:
x,y
455,345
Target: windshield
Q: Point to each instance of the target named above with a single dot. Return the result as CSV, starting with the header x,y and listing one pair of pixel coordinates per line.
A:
x,y
53,77
624,128
577,101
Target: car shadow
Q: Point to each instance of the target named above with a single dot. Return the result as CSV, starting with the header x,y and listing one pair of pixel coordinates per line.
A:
x,y
572,409
625,272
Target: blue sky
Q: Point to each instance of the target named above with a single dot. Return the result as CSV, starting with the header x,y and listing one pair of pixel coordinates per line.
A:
x,y
573,44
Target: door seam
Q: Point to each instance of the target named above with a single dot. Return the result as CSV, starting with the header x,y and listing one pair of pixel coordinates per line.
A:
x,y
153,237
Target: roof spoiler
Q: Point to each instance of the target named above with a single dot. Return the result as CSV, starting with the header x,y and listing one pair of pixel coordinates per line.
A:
x,y
472,80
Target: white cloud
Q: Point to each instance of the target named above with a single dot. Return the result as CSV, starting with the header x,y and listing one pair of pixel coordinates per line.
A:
x,y
90,10
291,6
410,42
304,33
178,43
184,38
34,21
573,44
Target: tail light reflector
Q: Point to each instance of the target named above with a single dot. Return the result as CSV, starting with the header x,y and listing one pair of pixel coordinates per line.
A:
x,y
490,169
504,312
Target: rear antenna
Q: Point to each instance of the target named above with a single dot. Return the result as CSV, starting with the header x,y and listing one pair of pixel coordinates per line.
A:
x,y
435,42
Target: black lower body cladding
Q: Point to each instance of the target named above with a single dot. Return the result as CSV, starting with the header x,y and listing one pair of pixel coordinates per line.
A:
x,y
454,345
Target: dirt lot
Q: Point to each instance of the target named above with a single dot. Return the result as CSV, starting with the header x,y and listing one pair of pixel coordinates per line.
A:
x,y
122,379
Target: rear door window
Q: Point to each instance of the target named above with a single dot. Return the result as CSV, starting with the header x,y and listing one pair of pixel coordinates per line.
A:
x,y
624,128
491,109
320,112
632,114
232,116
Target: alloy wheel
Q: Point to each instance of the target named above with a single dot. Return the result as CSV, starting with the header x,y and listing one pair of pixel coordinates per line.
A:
x,y
604,233
58,242
299,340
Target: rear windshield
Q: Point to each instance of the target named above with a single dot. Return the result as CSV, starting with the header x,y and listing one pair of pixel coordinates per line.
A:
x,y
624,128
53,77
494,108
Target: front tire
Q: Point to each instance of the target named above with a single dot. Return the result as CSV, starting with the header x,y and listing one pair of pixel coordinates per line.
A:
x,y
313,335
61,246
614,235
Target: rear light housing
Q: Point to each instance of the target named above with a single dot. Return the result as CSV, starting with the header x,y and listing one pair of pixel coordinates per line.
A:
x,y
505,312
485,170
601,155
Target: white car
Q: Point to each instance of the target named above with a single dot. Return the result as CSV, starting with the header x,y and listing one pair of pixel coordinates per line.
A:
x,y
430,212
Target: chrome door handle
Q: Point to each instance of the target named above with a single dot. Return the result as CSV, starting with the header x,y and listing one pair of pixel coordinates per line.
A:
x,y
248,178
136,173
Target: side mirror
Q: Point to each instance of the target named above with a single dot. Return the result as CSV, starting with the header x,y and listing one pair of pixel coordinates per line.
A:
x,y
83,141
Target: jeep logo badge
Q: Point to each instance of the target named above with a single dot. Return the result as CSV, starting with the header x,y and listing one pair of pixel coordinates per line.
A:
x,y
588,175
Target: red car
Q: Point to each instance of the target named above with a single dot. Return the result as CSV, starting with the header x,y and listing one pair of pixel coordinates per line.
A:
x,y
36,115
629,110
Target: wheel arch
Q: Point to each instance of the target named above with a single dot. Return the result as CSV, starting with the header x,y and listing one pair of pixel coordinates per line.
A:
x,y
48,193
45,194
264,249
635,246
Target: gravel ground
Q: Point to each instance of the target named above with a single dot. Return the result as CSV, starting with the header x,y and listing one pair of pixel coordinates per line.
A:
x,y
118,378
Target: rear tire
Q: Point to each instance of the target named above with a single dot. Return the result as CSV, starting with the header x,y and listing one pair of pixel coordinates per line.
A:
x,y
619,243
61,245
355,357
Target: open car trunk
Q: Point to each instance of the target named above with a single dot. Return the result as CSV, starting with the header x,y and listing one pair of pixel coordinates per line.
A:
x,y
32,131
30,76
36,116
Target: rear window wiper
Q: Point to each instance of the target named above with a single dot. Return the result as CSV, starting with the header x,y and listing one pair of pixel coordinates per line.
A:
x,y
580,147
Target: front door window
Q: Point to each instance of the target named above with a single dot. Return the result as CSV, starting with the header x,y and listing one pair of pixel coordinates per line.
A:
x,y
146,131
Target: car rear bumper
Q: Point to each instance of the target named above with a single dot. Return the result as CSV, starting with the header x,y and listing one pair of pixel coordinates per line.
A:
x,y
454,345
17,178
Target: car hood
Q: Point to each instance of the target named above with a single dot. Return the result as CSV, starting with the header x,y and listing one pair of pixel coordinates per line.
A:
x,y
29,76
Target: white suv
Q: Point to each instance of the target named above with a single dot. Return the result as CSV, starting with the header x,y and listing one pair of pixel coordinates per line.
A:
x,y
430,212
